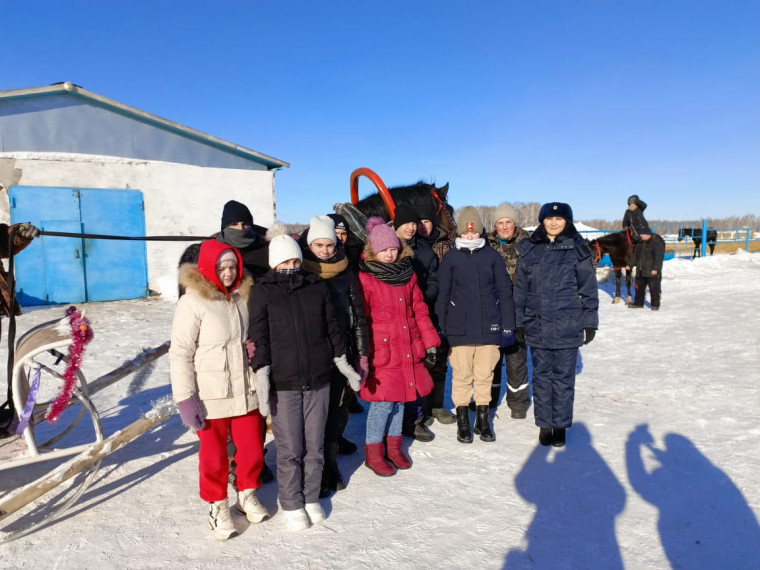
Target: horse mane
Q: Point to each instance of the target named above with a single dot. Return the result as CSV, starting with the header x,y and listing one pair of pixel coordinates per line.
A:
x,y
416,195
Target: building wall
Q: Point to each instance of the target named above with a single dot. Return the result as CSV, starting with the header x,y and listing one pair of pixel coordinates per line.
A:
x,y
179,199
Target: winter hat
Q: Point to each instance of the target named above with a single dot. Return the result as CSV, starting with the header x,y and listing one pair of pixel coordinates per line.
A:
x,y
504,210
282,247
633,199
381,236
210,254
339,221
427,212
236,212
469,221
644,230
321,227
404,214
552,209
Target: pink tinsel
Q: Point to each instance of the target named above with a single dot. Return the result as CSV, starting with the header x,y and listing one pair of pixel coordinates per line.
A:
x,y
81,334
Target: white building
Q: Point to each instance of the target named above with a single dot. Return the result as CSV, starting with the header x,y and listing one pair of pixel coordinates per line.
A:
x,y
74,161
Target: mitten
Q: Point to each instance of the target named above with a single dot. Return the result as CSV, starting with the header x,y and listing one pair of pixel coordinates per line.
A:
x,y
507,338
354,380
520,335
27,230
262,389
363,368
590,334
250,348
430,357
192,412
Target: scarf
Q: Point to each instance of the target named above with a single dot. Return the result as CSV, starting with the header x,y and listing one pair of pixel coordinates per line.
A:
x,y
394,274
325,268
239,239
471,244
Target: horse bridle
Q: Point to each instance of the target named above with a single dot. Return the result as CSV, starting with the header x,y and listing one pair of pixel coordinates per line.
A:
x,y
441,210
597,252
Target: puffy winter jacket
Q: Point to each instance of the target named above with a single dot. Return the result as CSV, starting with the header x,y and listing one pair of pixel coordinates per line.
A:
x,y
207,356
400,331
292,323
475,301
555,291
425,263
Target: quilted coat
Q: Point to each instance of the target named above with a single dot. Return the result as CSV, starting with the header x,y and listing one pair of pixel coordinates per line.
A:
x,y
400,331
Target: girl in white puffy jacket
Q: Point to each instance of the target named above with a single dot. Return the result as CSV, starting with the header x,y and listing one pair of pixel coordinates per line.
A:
x,y
212,384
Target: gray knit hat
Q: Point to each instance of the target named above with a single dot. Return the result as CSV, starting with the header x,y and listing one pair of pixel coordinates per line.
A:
x,y
504,210
469,221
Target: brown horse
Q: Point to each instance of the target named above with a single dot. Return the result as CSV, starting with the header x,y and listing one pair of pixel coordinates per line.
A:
x,y
619,246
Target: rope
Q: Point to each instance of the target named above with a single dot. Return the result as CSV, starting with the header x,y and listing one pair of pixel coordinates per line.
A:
x,y
132,238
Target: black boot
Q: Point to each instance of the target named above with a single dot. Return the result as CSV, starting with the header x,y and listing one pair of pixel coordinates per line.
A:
x,y
482,425
332,480
464,435
346,447
558,438
545,436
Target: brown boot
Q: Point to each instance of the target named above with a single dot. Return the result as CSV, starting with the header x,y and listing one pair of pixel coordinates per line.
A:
x,y
395,452
375,453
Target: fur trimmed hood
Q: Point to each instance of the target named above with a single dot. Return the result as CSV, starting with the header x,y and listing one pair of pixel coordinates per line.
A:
x,y
369,253
192,280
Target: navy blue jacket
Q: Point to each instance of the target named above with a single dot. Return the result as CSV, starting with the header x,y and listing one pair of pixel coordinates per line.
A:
x,y
555,289
475,297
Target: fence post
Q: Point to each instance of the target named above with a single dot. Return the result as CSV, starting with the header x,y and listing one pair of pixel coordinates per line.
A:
x,y
704,237
746,241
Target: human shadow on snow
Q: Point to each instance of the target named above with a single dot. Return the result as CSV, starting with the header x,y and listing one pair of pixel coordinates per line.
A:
x,y
705,521
577,499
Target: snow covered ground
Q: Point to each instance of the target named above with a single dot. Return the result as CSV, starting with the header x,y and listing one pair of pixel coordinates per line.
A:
x,y
660,469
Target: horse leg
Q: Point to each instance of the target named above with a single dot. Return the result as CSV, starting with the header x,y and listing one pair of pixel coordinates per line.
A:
x,y
628,297
616,299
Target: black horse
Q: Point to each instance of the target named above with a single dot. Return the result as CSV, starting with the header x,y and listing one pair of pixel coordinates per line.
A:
x,y
416,195
619,246
696,235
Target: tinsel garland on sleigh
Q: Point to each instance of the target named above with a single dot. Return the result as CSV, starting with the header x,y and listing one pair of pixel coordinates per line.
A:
x,y
78,326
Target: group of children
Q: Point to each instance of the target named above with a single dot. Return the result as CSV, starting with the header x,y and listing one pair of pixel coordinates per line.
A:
x,y
286,345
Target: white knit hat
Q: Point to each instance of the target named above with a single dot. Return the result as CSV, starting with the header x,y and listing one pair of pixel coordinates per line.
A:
x,y
321,227
282,247
504,210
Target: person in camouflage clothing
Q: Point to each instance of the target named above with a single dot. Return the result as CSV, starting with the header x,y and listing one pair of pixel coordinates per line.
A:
x,y
504,238
441,244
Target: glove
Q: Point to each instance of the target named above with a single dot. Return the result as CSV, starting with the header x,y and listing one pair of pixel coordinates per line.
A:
x,y
354,380
27,230
590,334
507,338
192,412
430,357
262,390
520,335
363,368
250,348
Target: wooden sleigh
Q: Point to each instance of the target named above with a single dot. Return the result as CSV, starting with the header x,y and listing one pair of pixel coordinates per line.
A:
x,y
40,360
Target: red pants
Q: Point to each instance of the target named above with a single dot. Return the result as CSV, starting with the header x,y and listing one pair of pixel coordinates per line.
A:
x,y
214,466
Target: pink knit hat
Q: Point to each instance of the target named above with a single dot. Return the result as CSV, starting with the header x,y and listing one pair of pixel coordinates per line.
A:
x,y
381,235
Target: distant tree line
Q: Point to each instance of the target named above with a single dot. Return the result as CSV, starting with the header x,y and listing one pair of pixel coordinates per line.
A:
x,y
527,214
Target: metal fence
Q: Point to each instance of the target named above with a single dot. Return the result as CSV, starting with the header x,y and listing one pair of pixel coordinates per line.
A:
x,y
673,234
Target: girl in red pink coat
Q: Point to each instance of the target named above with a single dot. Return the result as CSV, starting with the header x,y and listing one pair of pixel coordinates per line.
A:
x,y
401,336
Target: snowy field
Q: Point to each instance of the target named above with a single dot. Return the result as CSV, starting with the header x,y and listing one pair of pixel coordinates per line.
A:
x,y
660,469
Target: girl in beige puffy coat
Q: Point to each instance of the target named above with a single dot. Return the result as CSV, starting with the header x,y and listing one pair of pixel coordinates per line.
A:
x,y
212,384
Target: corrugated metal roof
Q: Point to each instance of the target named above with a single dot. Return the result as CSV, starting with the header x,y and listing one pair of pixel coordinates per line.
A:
x,y
76,91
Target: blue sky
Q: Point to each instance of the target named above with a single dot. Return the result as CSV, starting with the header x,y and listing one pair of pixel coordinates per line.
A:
x,y
579,101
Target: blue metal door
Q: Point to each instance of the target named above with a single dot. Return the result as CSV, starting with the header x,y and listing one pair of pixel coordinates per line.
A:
x,y
68,270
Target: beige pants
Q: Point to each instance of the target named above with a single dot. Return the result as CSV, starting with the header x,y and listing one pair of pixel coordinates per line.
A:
x,y
472,373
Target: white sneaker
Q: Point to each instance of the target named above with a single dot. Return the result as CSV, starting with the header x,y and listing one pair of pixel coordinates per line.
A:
x,y
248,505
219,520
315,512
296,520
